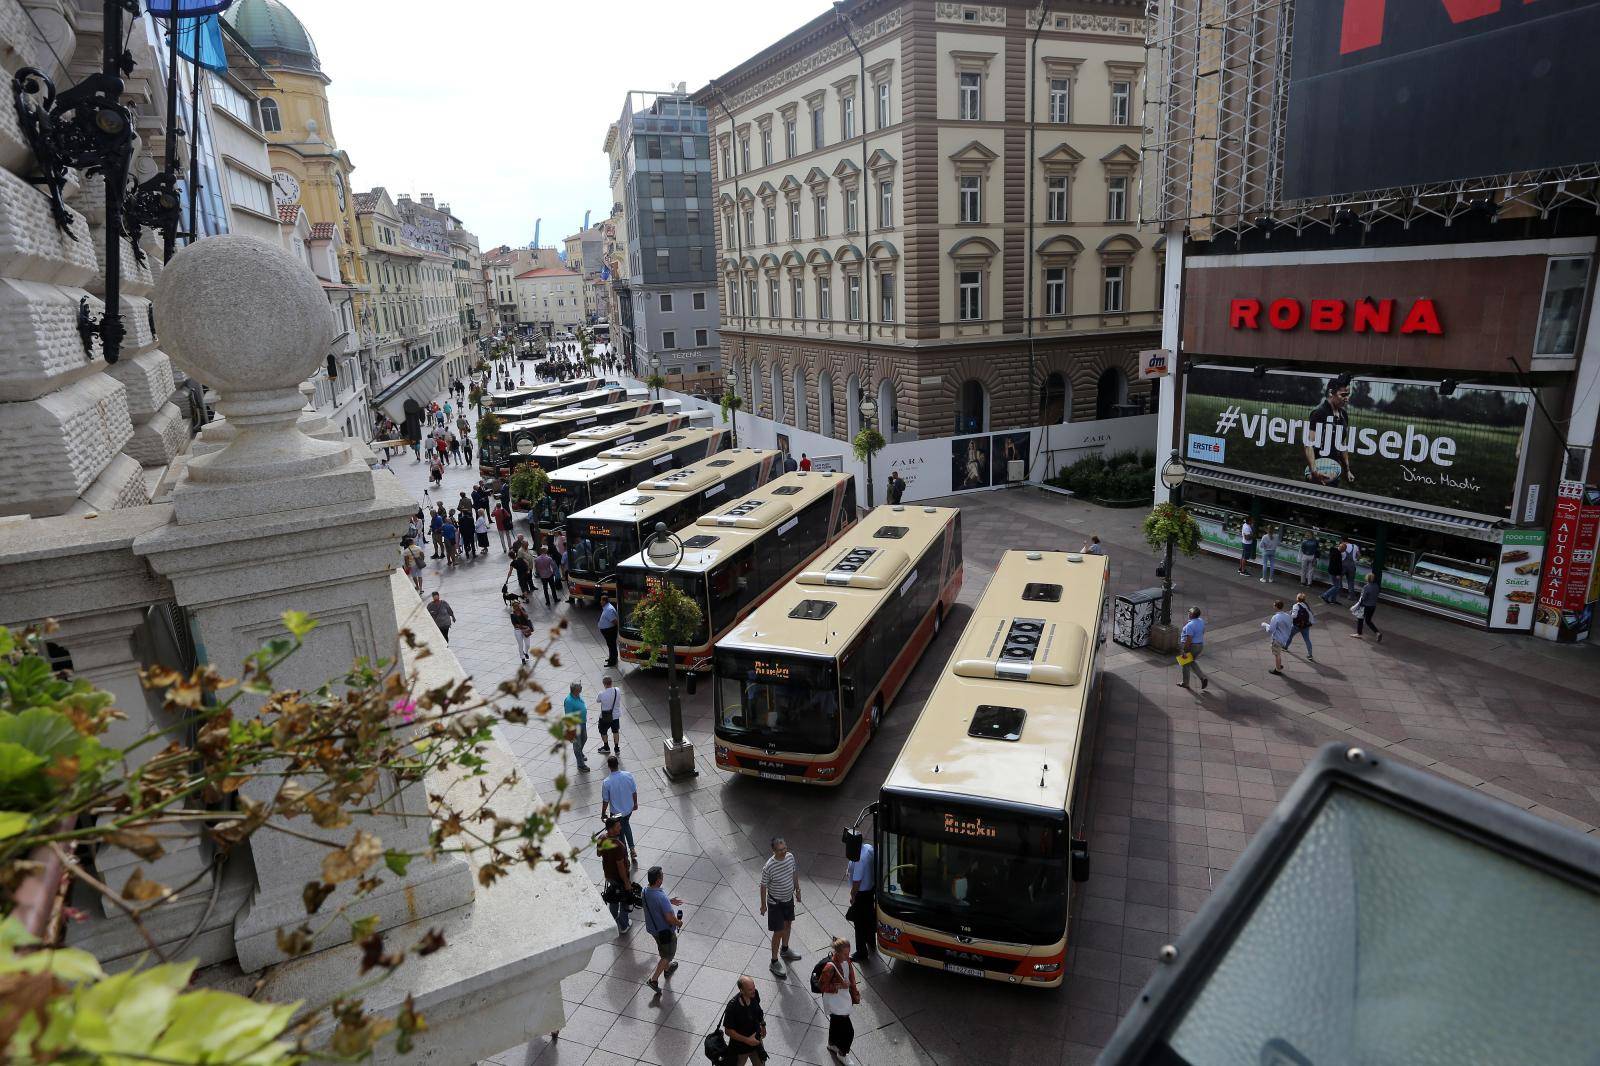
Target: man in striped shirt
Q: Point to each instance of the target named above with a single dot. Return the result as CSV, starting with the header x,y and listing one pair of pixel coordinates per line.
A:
x,y
780,891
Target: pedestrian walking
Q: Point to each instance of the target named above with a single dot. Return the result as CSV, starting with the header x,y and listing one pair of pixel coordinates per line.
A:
x,y
790,464
502,525
619,799
862,873
443,617
574,707
461,424
662,923
544,565
897,487
1335,572
1247,547
466,450
413,561
480,528
452,539
1310,551
608,626
617,871
745,1026
455,451
519,566
839,994
521,624
805,461
1300,615
1366,606
1191,642
1279,629
436,472
780,891
610,716
1352,556
466,526
1270,539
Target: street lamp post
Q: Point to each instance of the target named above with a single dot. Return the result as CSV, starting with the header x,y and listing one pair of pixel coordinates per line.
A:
x,y
663,552
1172,475
733,412
868,409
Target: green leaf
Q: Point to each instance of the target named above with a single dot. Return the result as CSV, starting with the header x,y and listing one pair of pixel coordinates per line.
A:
x,y
397,861
363,927
12,823
40,730
8,643
299,623
17,762
211,1026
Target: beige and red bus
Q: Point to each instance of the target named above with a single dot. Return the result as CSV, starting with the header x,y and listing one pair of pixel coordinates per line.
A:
x,y
803,682
618,469
976,820
737,555
601,536
592,440
528,394
561,423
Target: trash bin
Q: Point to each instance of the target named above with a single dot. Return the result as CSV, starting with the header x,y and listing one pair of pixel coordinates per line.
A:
x,y
1133,615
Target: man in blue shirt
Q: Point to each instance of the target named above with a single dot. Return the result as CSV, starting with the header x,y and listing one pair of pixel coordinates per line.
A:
x,y
662,923
574,707
1190,644
863,876
619,798
608,627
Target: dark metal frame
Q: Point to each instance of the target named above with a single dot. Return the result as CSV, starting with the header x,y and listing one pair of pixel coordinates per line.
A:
x,y
1464,812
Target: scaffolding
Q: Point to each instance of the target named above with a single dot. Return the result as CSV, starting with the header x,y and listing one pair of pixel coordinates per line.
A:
x,y
1216,99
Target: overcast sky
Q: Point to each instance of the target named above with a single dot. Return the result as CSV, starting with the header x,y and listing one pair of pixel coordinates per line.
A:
x,y
500,107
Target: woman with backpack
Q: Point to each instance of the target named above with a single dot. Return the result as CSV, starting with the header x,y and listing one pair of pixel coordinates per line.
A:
x,y
1301,618
836,980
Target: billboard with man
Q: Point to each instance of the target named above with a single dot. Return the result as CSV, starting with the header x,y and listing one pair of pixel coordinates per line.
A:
x,y
1405,441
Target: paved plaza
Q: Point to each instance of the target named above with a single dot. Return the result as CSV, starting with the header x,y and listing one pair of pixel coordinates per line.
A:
x,y
1180,781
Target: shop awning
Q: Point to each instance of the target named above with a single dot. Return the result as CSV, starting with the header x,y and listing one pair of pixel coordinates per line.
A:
x,y
1310,495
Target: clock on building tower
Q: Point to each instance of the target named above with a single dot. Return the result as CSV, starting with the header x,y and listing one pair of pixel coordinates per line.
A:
x,y
286,187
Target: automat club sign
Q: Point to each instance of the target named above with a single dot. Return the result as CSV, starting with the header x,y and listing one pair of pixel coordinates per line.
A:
x,y
1369,437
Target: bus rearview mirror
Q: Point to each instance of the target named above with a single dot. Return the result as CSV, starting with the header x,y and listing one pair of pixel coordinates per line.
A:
x,y
1080,860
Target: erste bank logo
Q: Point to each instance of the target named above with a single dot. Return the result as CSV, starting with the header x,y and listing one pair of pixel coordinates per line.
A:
x,y
1207,449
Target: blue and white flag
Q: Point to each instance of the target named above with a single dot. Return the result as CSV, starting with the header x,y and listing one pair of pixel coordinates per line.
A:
x,y
200,42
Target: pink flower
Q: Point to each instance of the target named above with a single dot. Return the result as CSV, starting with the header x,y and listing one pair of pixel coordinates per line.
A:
x,y
406,709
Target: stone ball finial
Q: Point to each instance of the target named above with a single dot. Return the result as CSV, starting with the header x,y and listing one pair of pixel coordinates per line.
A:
x,y
243,315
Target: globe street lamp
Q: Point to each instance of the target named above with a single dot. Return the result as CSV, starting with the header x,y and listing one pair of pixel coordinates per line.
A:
x,y
868,409
1172,475
663,552
732,389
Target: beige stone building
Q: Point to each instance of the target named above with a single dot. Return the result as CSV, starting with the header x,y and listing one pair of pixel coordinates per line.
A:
x,y
549,298
947,225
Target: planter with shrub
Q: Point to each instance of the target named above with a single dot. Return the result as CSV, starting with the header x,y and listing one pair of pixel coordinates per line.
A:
x,y
1123,479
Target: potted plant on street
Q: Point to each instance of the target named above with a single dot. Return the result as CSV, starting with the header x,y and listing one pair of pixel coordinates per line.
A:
x,y
528,484
666,616
657,382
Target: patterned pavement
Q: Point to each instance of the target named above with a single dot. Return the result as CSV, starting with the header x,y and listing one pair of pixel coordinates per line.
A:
x,y
1180,780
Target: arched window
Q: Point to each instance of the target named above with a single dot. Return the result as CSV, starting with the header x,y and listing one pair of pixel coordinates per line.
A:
x,y
270,122
825,404
799,398
973,414
1054,407
852,407
757,389
1110,393
888,414
777,394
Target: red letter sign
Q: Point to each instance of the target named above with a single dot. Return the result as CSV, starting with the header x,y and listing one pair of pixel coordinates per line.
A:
x,y
1362,24
1245,314
1284,313
1373,316
1327,316
1422,318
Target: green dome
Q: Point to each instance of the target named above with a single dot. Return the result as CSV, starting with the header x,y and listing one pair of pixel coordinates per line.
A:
x,y
273,30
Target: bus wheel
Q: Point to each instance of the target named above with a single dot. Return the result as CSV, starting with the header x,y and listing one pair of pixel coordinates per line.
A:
x,y
875,717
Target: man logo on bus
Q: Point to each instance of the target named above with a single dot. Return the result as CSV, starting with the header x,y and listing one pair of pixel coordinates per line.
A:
x,y
968,827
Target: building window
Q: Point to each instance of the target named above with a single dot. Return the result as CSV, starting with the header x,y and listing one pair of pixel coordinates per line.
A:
x,y
669,339
1053,400
825,299
973,415
733,298
1055,200
771,212
691,222
883,104
658,185
1562,307
794,220
816,128
847,116
1112,301
886,297
971,93
968,197
885,204
1055,291
791,137
1117,199
774,305
797,295
822,216
727,165
1121,102
744,153
853,297
698,301
666,301
749,225
766,146
702,338
270,120
1060,100
969,289
850,211
755,303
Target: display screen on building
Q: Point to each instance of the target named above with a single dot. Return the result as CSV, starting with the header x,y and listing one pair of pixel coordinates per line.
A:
x,y
1362,436
1386,94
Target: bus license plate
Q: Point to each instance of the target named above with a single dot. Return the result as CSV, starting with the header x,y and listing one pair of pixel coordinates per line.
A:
x,y
770,776
970,971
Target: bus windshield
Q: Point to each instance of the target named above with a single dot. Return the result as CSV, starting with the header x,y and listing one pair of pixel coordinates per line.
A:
x,y
973,871
632,581
595,548
780,704
561,500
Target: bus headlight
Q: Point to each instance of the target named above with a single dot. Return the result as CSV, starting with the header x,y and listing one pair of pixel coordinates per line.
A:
x,y
1046,967
826,771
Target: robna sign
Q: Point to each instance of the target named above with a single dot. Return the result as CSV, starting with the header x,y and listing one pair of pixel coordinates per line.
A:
x,y
1336,316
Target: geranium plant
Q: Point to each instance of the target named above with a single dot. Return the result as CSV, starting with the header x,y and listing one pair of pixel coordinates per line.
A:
x,y
1166,520
665,615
